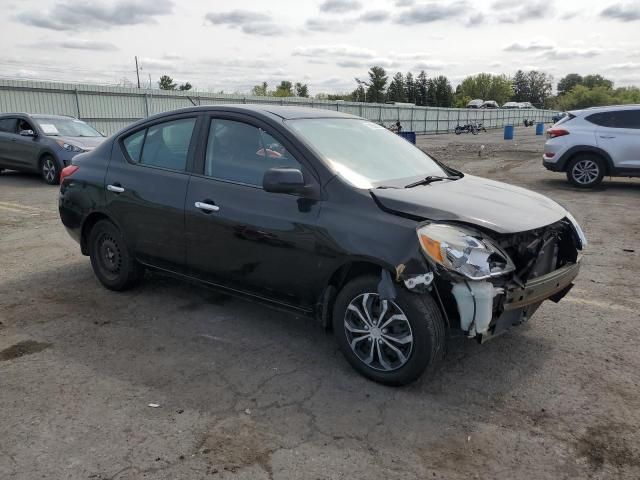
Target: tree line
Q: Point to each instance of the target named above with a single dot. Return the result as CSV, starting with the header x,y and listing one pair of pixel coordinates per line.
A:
x,y
574,91
532,86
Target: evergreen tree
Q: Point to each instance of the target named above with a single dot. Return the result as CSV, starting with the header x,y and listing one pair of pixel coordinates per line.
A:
x,y
421,89
410,91
396,92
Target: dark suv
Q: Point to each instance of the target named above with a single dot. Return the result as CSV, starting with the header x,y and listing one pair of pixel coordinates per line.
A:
x,y
327,215
43,144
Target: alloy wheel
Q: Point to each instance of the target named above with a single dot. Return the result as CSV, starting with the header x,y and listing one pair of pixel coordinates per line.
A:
x,y
585,172
49,170
378,332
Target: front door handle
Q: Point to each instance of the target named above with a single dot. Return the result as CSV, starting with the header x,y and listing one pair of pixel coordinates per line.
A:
x,y
207,207
607,136
115,188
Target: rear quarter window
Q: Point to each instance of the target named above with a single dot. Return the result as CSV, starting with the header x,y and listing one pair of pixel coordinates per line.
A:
x,y
133,145
616,119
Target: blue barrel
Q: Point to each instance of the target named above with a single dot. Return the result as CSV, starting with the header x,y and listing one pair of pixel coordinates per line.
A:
x,y
408,136
508,132
539,128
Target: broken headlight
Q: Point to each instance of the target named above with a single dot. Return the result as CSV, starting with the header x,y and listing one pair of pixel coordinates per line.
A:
x,y
576,226
464,251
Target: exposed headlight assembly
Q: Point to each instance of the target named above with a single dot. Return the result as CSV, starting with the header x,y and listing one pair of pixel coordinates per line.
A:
x,y
464,251
69,147
576,226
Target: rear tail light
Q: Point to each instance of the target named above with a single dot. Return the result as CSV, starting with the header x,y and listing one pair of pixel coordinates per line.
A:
x,y
549,154
67,172
556,132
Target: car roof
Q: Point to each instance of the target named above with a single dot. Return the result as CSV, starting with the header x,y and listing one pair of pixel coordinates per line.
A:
x,y
285,112
607,108
34,115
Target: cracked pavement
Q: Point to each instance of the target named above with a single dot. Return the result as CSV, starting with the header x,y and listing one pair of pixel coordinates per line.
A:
x,y
246,392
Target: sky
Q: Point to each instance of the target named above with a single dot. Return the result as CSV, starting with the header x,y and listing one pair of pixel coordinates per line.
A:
x,y
233,45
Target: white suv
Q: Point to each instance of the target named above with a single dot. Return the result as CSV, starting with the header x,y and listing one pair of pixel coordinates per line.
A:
x,y
589,144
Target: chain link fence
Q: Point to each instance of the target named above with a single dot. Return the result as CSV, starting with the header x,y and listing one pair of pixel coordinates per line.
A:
x,y
109,109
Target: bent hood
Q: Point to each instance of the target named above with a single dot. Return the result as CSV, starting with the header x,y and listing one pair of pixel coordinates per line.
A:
x,y
86,143
486,203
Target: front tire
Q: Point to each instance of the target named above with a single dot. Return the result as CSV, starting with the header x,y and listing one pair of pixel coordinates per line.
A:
x,y
585,171
49,170
391,342
111,258
458,130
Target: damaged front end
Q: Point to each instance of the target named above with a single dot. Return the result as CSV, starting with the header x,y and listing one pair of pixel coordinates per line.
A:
x,y
493,281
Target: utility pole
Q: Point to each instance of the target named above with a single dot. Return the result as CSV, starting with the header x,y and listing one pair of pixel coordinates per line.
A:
x,y
137,72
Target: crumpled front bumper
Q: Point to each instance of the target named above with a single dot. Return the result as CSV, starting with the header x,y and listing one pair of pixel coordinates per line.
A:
x,y
553,285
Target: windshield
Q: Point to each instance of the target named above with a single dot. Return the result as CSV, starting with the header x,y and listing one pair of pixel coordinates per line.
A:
x,y
363,153
68,127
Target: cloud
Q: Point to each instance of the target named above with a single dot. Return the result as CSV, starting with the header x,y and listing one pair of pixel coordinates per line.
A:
x,y
431,12
236,17
432,65
622,12
250,22
570,53
76,44
79,15
532,46
328,25
476,19
624,66
569,15
520,13
379,62
340,6
374,16
333,51
404,3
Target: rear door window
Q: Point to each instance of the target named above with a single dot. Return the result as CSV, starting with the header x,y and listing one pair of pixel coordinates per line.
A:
x,y
164,145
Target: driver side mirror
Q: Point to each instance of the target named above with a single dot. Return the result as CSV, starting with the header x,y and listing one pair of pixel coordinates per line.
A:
x,y
27,133
283,180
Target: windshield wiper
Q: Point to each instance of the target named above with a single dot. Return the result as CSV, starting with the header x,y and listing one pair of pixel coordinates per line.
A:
x,y
431,179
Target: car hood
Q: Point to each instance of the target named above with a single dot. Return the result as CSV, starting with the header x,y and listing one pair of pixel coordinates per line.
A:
x,y
86,143
486,203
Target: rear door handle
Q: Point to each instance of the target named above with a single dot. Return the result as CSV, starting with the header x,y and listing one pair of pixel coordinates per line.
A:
x,y
207,207
607,136
115,188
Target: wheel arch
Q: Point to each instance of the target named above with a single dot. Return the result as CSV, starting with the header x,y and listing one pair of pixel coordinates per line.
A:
x,y
88,224
46,153
340,276
573,152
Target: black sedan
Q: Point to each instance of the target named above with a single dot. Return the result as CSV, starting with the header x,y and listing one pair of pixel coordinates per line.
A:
x,y
324,214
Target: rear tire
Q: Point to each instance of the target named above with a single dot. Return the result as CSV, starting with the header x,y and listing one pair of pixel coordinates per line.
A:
x,y
111,259
585,171
50,170
370,332
458,130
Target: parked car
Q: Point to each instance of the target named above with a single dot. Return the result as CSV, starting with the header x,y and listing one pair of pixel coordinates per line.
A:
x,y
526,105
511,105
558,116
43,143
324,214
589,144
475,103
490,104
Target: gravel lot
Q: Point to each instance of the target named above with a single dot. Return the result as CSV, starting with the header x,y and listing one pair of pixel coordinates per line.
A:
x,y
247,392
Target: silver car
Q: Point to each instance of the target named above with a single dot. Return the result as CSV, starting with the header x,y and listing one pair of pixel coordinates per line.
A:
x,y
593,143
43,144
